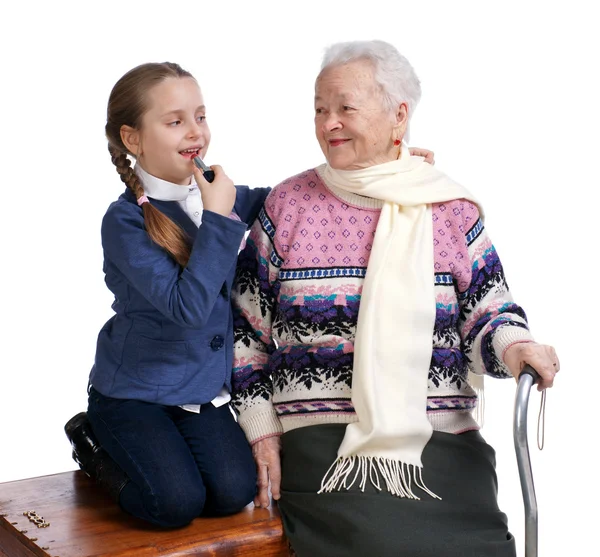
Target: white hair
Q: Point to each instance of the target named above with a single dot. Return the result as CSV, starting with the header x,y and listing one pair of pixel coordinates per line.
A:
x,y
392,71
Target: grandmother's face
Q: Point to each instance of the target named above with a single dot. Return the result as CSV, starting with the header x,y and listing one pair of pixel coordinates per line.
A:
x,y
352,126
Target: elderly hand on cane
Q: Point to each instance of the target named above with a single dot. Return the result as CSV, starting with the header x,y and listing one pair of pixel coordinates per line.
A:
x,y
540,357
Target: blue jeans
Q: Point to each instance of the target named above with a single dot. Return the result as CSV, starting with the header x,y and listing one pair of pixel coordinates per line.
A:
x,y
181,465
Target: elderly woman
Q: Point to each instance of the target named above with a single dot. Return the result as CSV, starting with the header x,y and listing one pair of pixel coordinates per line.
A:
x,y
370,302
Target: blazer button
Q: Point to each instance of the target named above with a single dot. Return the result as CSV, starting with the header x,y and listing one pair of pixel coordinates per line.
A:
x,y
217,343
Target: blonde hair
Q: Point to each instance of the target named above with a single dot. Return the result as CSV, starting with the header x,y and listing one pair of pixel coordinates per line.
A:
x,y
127,105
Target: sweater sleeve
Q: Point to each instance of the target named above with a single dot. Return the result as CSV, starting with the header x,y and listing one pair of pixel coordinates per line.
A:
x,y
249,202
254,297
489,321
185,296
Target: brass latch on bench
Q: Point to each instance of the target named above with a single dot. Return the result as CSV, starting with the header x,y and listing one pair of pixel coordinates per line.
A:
x,y
36,519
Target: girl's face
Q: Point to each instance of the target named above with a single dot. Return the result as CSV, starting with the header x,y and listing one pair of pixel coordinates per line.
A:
x,y
172,132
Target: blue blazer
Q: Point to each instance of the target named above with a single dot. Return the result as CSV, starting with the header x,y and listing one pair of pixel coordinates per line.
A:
x,y
171,338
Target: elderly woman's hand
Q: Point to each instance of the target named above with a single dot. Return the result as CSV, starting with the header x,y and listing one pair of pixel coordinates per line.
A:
x,y
268,465
540,357
418,152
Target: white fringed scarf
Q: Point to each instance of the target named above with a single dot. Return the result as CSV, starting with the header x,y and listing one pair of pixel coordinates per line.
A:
x,y
393,346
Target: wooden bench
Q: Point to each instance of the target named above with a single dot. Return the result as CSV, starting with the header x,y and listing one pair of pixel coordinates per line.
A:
x,y
84,522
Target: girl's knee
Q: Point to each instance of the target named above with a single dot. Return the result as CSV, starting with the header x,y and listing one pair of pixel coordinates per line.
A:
x,y
232,498
179,507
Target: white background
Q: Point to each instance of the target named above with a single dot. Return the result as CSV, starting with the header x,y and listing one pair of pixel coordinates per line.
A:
x,y
510,107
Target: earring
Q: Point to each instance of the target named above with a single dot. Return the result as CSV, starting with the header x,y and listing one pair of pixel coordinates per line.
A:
x,y
397,142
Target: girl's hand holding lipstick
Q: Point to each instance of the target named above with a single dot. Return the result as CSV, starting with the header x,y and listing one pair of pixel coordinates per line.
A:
x,y
218,196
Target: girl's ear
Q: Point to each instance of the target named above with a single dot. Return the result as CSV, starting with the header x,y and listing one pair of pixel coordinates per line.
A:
x,y
131,139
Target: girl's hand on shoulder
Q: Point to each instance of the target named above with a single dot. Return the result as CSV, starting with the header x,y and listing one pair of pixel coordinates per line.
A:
x,y
426,154
218,196
540,357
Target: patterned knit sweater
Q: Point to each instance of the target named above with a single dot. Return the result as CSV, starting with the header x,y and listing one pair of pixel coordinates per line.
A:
x,y
297,297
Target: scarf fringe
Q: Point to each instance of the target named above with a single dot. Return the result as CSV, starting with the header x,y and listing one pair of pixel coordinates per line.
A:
x,y
478,385
399,477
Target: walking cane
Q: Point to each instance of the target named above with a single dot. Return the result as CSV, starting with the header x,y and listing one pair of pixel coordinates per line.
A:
x,y
527,379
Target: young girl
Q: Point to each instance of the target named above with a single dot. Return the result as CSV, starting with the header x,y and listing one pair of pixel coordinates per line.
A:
x,y
160,437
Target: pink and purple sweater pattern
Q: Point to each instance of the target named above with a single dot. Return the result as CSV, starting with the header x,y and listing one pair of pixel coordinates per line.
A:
x,y
297,297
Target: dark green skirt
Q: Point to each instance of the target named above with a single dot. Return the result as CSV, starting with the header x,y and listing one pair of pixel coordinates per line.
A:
x,y
459,468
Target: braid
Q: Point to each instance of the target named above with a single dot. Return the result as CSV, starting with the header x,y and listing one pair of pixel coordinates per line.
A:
x,y
161,229
128,176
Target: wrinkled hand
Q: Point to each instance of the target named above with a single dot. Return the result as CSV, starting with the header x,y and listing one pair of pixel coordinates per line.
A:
x,y
219,195
540,357
268,466
418,152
